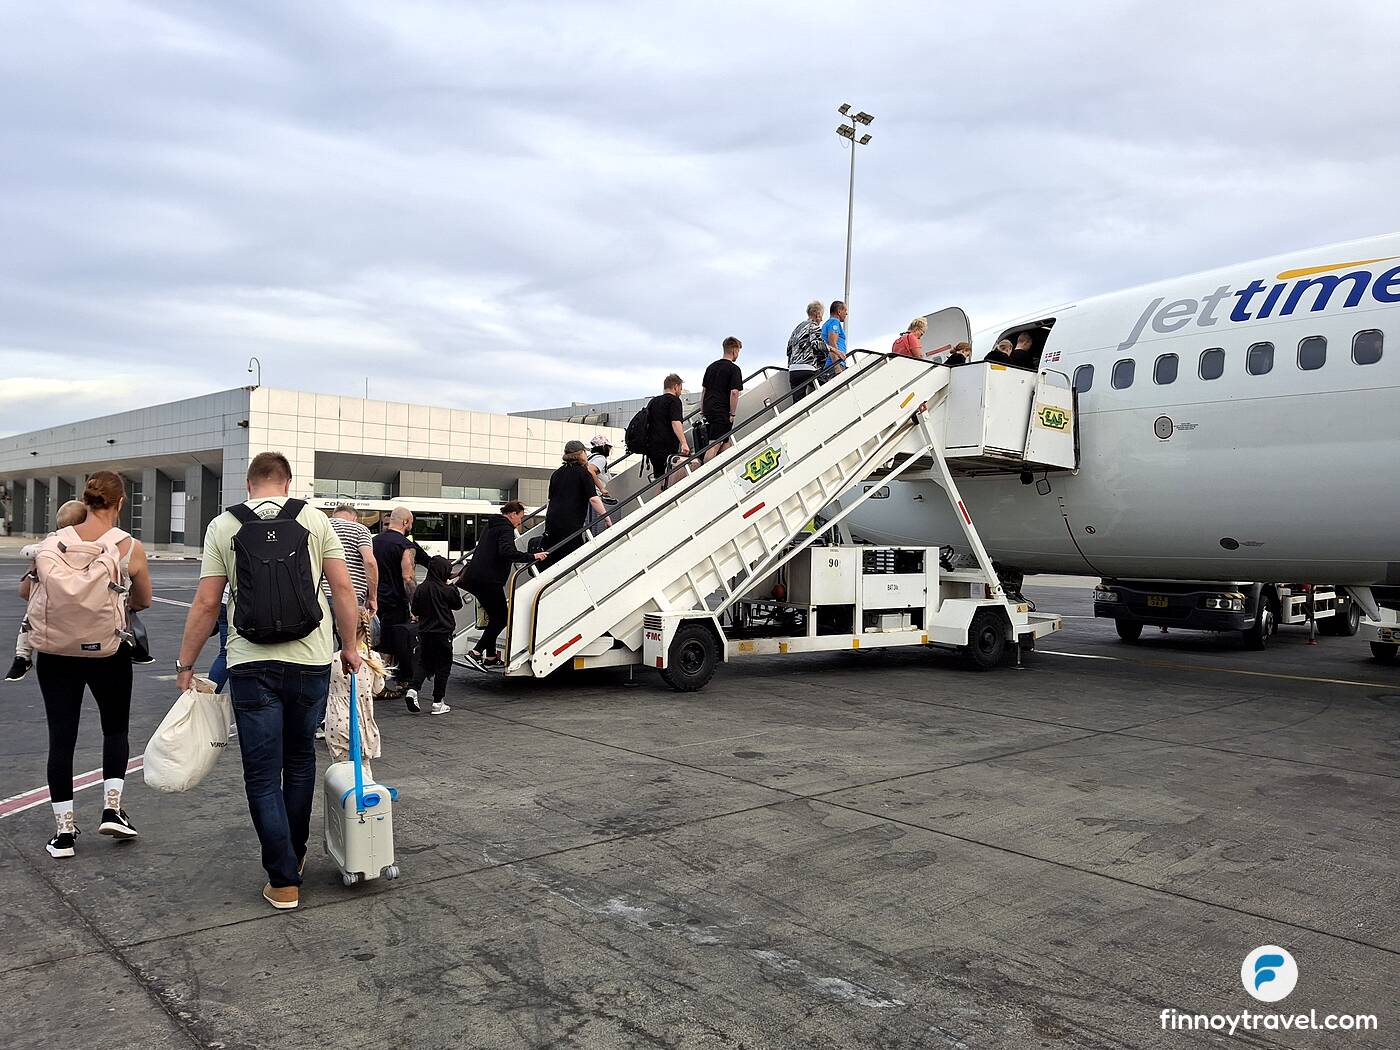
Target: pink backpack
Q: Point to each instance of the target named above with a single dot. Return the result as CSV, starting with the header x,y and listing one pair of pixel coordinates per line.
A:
x,y
77,606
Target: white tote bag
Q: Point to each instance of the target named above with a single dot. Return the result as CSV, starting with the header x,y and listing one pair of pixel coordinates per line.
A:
x,y
189,740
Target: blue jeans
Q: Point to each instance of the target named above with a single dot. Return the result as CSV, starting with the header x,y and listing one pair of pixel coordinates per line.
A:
x,y
218,670
277,707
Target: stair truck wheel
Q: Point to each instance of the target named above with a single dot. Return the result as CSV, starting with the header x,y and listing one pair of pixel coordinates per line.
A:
x,y
1265,623
1383,652
986,639
1347,620
694,658
1128,630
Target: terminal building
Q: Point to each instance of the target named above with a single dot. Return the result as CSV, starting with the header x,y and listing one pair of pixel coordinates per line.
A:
x,y
606,413
185,461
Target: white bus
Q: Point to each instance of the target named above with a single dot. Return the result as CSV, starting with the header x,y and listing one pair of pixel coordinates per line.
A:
x,y
441,526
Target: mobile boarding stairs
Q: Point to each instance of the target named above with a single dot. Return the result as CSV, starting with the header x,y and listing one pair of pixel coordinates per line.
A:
x,y
674,578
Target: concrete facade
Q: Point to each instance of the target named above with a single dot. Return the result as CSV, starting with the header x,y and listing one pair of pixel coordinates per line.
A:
x,y
185,461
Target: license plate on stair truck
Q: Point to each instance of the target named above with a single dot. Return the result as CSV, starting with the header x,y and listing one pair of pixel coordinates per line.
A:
x,y
1157,601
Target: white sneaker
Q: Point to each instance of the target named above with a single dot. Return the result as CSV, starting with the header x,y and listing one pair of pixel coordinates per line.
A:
x,y
439,708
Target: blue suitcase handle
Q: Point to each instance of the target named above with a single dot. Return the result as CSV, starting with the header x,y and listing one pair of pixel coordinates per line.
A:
x,y
355,756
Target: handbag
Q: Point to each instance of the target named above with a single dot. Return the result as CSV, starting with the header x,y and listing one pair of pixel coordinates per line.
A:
x,y
137,638
189,739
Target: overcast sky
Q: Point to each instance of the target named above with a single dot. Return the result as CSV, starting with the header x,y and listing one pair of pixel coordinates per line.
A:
x,y
509,206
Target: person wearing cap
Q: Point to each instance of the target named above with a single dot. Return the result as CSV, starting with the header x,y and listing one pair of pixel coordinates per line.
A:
x,y
572,494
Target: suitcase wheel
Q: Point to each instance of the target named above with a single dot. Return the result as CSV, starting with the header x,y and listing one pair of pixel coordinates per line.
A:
x,y
391,872
347,878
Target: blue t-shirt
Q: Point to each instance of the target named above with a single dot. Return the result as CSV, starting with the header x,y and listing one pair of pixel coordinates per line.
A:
x,y
834,323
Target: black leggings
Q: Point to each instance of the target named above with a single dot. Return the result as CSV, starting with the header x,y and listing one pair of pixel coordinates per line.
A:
x,y
62,680
435,662
492,599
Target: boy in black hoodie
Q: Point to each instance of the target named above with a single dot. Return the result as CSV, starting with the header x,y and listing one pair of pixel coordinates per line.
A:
x,y
434,602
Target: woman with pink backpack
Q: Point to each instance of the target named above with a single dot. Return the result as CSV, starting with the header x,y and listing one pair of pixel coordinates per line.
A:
x,y
85,579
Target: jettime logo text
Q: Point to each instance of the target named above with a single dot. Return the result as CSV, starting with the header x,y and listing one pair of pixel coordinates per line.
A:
x,y
1307,290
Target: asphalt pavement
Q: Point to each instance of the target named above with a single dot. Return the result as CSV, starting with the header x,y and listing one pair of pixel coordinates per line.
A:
x,y
877,849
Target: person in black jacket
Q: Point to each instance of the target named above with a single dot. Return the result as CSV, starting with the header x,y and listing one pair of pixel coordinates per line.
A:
x,y
486,574
434,602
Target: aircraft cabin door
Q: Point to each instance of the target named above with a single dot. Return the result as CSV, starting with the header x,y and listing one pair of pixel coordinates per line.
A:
x,y
946,328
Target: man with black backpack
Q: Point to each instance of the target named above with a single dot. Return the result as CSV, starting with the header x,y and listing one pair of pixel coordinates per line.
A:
x,y
272,552
665,427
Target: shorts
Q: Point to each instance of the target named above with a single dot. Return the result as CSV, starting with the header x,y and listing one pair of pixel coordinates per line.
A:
x,y
718,428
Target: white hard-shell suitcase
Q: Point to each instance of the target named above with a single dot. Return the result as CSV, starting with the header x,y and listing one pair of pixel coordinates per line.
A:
x,y
359,817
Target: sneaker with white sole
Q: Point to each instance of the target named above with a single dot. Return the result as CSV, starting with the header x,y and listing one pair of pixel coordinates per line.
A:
x,y
116,823
283,898
19,668
410,700
439,708
62,845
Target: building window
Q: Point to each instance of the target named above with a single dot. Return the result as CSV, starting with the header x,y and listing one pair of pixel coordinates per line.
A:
x,y
1164,371
1366,346
177,514
1259,359
1123,373
1312,353
1083,379
1212,363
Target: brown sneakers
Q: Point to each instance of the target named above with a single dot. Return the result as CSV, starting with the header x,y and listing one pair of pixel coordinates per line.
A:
x,y
282,897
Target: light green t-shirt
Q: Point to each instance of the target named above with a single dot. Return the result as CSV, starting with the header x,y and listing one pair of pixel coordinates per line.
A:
x,y
318,647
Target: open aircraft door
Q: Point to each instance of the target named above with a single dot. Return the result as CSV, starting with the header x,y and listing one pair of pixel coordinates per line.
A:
x,y
946,328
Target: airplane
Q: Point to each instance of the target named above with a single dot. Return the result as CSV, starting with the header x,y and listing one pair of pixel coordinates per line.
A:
x,y
1234,424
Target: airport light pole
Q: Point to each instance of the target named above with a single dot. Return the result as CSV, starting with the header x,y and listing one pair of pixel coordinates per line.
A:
x,y
851,131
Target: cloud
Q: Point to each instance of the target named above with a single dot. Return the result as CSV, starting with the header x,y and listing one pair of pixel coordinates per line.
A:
x,y
515,206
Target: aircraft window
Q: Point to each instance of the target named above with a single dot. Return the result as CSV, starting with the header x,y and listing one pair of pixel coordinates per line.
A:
x,y
1366,347
1259,359
1123,370
1212,363
1312,352
1084,378
1164,371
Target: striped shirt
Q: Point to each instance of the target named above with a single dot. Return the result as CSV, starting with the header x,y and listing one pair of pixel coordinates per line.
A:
x,y
353,536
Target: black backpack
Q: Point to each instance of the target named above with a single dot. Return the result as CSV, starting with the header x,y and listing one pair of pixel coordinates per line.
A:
x,y
275,595
637,437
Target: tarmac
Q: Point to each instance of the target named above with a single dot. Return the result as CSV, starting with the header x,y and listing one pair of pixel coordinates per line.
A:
x,y
845,850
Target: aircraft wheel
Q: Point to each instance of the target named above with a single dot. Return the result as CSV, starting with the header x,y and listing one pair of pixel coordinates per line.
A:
x,y
694,658
1127,630
986,639
1384,653
1265,624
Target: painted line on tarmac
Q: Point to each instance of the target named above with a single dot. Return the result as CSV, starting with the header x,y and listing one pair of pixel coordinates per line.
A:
x,y
38,796
171,601
1221,670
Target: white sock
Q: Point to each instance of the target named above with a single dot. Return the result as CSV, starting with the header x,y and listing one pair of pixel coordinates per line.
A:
x,y
63,817
112,792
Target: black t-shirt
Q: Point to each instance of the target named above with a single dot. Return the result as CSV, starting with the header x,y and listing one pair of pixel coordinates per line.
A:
x,y
570,489
388,552
662,411
722,377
